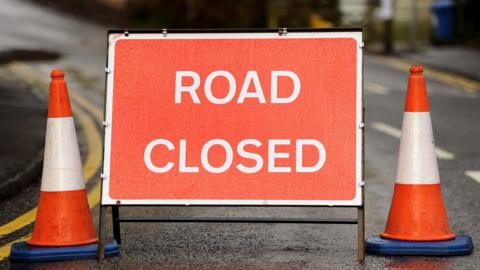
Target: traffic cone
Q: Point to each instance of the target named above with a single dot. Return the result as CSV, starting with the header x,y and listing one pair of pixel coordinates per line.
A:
x,y
417,223
63,216
417,212
63,227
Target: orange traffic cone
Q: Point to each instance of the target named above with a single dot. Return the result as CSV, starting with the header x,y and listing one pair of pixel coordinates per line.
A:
x,y
417,213
63,217
63,228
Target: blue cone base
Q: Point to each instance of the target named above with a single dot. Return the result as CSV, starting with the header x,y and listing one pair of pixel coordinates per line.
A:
x,y
460,245
23,252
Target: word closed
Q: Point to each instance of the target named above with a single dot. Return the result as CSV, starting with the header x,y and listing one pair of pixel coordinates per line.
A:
x,y
241,151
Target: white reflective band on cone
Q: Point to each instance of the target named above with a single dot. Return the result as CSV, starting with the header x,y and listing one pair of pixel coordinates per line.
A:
x,y
417,162
62,166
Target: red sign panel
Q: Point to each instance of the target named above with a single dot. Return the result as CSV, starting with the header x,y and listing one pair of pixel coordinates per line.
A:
x,y
234,119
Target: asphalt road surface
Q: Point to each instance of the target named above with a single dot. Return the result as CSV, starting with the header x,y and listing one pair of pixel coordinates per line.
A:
x,y
455,116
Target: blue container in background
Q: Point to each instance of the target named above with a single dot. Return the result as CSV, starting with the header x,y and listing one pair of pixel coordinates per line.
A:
x,y
443,20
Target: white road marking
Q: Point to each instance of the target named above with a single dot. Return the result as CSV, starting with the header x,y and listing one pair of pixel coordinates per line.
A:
x,y
387,129
475,175
443,154
397,133
376,88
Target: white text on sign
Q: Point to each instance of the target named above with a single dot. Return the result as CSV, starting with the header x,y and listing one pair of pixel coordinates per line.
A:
x,y
273,155
251,79
250,82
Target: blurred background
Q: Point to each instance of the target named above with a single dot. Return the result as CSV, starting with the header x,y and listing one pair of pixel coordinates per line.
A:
x,y
389,25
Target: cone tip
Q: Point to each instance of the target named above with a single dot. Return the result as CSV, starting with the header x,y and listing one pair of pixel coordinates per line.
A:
x,y
58,102
57,73
417,99
416,69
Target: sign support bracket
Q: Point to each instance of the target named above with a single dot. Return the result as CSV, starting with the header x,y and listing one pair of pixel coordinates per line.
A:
x,y
116,220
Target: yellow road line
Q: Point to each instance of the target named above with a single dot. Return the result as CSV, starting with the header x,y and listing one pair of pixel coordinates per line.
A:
x,y
94,144
93,200
90,167
93,141
18,223
454,80
5,250
94,195
88,106
33,77
30,75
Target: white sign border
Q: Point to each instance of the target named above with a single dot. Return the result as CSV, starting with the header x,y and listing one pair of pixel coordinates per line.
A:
x,y
114,37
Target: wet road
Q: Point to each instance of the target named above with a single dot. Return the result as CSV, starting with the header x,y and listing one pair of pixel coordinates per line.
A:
x,y
455,115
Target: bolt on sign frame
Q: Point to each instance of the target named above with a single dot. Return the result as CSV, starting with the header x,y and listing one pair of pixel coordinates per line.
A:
x,y
249,117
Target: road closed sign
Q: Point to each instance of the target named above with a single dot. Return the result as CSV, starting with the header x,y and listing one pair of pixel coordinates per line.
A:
x,y
222,118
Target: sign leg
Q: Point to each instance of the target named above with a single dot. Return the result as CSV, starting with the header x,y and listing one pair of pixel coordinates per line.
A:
x,y
116,224
361,234
101,234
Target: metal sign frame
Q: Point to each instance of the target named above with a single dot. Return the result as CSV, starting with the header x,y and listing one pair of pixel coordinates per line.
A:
x,y
357,202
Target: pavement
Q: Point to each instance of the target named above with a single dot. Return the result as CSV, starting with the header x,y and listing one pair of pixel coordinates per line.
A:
x,y
463,61
81,46
22,122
